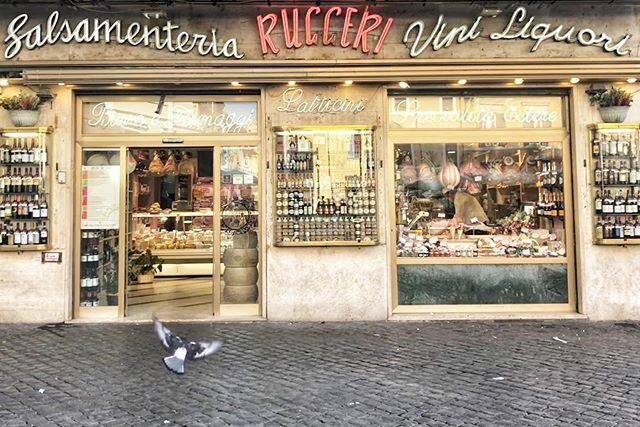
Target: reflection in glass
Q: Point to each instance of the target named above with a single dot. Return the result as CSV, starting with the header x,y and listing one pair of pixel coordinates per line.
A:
x,y
480,200
239,224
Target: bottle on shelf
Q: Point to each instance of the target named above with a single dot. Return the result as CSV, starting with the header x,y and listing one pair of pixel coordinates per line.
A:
x,y
597,175
598,202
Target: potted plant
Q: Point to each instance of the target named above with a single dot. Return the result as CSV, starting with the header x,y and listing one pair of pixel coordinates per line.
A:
x,y
143,266
23,108
613,103
111,287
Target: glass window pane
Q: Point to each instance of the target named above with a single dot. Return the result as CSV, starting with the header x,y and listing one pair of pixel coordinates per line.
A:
x,y
239,224
99,224
480,200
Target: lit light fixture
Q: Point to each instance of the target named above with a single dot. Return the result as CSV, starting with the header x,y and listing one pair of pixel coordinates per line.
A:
x,y
403,85
462,82
632,80
490,11
60,84
119,84
291,83
4,82
348,82
518,81
154,14
574,80
235,83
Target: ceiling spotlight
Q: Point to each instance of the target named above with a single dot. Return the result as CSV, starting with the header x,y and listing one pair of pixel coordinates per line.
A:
x,y
518,81
462,82
291,83
632,80
403,85
154,14
574,80
4,82
235,83
348,82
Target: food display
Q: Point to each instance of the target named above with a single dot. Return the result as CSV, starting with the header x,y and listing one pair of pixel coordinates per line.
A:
x,y
325,187
480,200
616,183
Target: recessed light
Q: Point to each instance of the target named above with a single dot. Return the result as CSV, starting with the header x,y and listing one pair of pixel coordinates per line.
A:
x,y
291,83
632,80
403,85
119,84
574,80
462,82
60,84
235,83
518,81
348,82
4,82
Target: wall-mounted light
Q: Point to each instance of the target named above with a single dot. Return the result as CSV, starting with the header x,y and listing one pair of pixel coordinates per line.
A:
x,y
154,14
291,83
462,82
490,11
574,80
348,82
61,84
119,84
235,83
632,80
403,85
4,82
518,81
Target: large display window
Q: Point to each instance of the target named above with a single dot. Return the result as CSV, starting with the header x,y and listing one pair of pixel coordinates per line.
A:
x,y
479,197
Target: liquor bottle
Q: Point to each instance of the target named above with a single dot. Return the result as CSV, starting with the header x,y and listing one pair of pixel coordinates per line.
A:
x,y
598,202
597,174
629,229
17,238
14,208
44,235
614,173
623,147
599,229
8,208
10,235
44,208
35,207
613,145
595,145
31,158
618,230
22,208
43,154
636,231
25,152
633,173
623,174
560,204
619,203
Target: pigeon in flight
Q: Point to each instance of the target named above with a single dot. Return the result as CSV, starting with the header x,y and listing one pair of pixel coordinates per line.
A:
x,y
182,348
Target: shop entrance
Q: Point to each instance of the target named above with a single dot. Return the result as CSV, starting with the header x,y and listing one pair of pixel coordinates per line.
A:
x,y
170,225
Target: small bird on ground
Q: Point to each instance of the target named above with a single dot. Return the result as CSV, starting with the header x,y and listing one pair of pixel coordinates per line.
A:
x,y
182,348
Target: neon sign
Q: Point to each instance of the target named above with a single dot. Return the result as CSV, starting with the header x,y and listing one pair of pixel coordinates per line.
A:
x,y
293,102
369,22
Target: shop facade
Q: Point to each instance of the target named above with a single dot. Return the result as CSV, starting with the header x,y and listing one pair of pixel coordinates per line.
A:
x,y
315,187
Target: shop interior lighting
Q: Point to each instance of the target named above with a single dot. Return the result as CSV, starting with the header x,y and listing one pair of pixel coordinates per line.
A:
x,y
632,80
574,80
291,83
119,84
4,82
348,82
20,134
462,82
154,14
235,83
403,85
61,84
518,81
490,11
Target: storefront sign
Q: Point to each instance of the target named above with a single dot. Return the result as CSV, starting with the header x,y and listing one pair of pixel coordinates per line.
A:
x,y
100,197
440,37
481,112
369,22
293,101
97,30
176,117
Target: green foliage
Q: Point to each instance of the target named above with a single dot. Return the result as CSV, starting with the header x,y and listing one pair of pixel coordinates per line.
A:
x,y
143,263
111,282
612,97
21,101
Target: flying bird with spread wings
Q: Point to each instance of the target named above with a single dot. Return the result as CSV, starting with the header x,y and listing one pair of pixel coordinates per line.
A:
x,y
182,348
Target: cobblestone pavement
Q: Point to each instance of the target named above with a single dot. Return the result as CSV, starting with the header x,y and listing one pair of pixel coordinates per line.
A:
x,y
362,374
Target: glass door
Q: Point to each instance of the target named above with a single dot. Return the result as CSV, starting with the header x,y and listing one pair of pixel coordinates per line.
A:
x,y
239,230
170,209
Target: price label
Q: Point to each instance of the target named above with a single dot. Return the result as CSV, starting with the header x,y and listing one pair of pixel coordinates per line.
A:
x,y
441,215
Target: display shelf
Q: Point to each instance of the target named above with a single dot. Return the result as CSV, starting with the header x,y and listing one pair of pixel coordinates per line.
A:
x,y
25,219
10,248
617,185
627,241
171,214
481,260
182,254
328,243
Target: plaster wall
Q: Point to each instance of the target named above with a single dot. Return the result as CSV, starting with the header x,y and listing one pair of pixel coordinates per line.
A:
x,y
29,290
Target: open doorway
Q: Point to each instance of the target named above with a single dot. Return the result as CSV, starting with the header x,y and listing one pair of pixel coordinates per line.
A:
x,y
170,205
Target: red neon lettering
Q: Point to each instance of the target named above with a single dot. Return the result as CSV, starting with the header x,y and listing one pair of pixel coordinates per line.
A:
x,y
265,36
383,35
310,39
347,24
363,31
291,40
326,38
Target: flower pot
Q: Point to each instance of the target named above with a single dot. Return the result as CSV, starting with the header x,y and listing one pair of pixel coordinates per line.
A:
x,y
614,114
112,299
22,118
145,278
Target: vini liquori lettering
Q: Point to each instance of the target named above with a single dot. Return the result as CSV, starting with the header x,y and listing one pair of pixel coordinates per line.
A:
x,y
293,102
363,22
166,37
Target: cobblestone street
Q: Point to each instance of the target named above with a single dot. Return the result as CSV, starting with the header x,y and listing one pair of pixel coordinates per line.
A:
x,y
371,374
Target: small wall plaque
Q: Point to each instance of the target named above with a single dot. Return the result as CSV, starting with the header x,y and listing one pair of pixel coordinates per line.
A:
x,y
52,257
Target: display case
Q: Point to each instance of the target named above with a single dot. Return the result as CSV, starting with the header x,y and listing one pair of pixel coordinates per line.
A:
x,y
325,187
480,200
24,188
615,173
